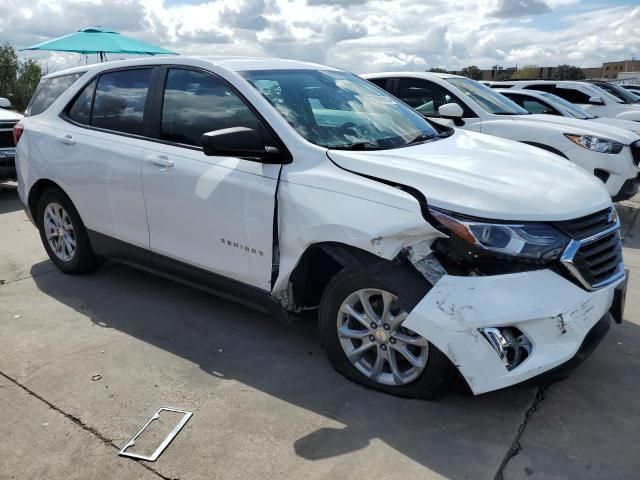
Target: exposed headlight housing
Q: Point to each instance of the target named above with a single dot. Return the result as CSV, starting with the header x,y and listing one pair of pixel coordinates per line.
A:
x,y
596,144
536,241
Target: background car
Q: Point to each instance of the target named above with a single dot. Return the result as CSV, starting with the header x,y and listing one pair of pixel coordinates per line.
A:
x,y
602,150
633,88
534,101
616,90
587,96
8,120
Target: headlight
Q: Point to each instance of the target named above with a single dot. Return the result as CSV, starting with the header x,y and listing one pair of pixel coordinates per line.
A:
x,y
537,241
597,144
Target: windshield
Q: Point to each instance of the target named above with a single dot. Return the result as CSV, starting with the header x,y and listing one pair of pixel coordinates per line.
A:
x,y
568,107
600,92
490,100
335,109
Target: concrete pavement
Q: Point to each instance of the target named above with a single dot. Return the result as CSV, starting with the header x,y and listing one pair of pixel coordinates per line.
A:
x,y
266,401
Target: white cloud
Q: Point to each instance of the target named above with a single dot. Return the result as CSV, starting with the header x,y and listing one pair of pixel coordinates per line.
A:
x,y
359,35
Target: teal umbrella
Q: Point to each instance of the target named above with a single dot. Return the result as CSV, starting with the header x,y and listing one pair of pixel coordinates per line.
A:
x,y
101,41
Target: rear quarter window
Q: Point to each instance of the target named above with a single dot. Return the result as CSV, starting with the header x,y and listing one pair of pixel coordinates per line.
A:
x,y
48,91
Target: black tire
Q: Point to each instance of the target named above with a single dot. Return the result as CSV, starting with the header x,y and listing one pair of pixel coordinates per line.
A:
x,y
438,376
83,259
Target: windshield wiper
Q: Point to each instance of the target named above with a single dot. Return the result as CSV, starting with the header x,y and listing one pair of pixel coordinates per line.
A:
x,y
356,146
423,137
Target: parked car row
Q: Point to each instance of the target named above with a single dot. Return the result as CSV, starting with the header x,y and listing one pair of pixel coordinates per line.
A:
x,y
433,254
610,153
534,101
586,95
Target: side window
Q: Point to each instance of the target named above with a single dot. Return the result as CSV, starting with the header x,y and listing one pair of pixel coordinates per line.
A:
x,y
515,98
48,91
424,96
80,110
543,87
119,100
195,103
572,95
382,82
532,105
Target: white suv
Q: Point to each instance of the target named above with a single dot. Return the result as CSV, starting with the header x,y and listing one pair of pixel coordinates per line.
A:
x,y
290,186
602,150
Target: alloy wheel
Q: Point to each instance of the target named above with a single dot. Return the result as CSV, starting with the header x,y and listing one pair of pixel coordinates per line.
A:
x,y
372,336
59,232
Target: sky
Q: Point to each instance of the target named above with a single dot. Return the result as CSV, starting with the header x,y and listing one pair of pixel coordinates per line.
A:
x,y
357,35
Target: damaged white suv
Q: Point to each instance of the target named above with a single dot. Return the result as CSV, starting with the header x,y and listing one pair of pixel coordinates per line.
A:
x,y
432,254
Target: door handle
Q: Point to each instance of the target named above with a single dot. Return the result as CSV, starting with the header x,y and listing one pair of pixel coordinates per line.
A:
x,y
67,139
159,161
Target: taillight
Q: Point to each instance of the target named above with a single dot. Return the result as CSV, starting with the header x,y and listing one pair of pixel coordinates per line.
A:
x,y
17,133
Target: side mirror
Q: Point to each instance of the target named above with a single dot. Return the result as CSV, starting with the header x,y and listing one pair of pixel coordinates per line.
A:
x,y
239,142
596,101
5,103
550,111
450,111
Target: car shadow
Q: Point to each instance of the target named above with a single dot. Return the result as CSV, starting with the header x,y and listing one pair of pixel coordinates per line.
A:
x,y
629,213
287,361
9,200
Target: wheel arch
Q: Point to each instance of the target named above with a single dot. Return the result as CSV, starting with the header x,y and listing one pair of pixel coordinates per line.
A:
x,y
36,191
319,263
543,146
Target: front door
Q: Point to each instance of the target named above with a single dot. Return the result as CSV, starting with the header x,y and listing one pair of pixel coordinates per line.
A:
x,y
214,213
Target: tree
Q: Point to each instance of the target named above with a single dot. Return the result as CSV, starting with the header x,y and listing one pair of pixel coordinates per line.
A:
x,y
472,72
437,70
567,72
19,77
8,70
29,75
527,72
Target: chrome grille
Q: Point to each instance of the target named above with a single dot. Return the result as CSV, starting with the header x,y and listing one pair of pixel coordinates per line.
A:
x,y
594,255
6,134
584,227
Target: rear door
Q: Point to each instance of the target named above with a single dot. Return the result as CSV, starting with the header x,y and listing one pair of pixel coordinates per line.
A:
x,y
100,149
215,213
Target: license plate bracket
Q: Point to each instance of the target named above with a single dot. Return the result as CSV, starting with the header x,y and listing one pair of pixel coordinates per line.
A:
x,y
167,440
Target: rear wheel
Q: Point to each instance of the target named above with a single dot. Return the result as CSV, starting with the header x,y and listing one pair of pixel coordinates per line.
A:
x,y
63,234
361,323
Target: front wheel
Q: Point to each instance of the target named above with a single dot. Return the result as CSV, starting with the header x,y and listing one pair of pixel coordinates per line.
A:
x,y
361,323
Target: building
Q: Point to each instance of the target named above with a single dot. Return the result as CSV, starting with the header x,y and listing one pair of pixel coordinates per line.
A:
x,y
610,70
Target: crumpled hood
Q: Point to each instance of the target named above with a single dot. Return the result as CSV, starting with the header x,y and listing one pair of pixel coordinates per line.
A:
x,y
8,115
485,176
584,127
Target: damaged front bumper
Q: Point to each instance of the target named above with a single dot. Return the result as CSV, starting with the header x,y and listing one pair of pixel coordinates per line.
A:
x,y
554,314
